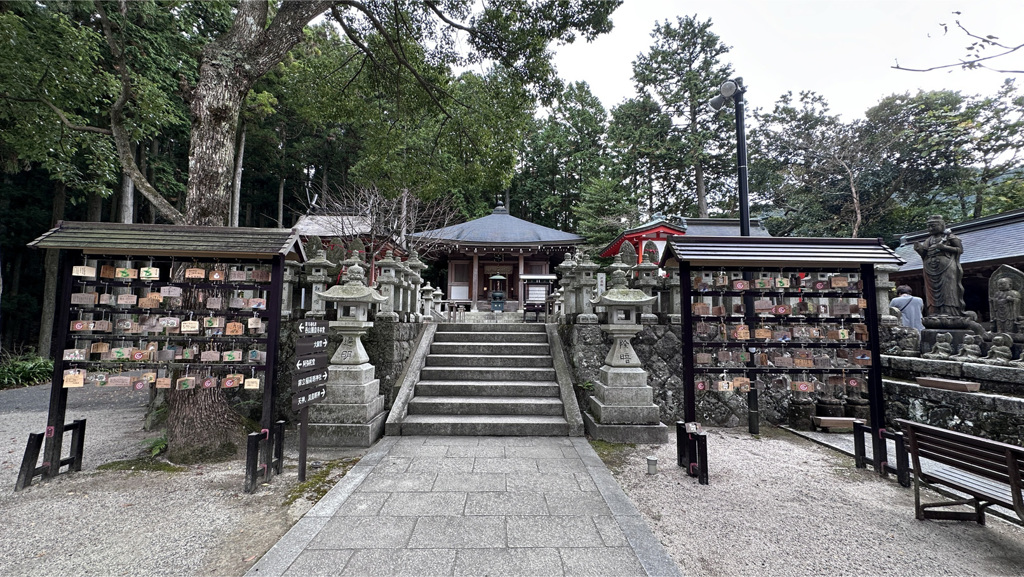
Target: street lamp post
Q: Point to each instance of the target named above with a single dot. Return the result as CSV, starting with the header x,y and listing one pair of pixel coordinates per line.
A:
x,y
734,89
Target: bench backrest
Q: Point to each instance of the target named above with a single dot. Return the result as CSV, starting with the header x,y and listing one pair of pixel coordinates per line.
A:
x,y
983,457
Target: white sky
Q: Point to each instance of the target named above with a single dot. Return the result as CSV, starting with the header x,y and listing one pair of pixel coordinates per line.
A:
x,y
842,49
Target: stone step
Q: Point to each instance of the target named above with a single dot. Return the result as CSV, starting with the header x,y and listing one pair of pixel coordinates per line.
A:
x,y
430,373
480,337
485,425
503,361
489,349
450,388
491,327
485,406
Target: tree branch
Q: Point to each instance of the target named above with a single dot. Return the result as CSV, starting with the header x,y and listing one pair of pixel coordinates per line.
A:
x,y
60,114
122,141
975,62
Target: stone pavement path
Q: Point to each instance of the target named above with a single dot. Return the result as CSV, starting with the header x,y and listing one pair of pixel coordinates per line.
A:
x,y
472,506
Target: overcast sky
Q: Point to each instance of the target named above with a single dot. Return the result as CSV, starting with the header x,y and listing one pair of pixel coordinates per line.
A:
x,y
842,49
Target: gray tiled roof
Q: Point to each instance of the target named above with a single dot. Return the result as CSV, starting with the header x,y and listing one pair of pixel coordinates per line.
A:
x,y
722,227
990,240
500,228
324,225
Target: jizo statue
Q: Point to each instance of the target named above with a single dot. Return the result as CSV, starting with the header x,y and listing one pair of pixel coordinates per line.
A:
x,y
940,257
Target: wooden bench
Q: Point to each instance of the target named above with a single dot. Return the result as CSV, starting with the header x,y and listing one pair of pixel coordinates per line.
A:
x,y
988,471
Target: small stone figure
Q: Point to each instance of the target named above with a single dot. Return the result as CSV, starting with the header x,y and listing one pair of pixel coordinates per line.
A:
x,y
910,342
943,348
1019,363
943,275
1005,303
1000,354
970,351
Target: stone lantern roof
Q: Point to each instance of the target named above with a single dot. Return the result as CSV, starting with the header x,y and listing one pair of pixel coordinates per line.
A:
x,y
353,291
620,295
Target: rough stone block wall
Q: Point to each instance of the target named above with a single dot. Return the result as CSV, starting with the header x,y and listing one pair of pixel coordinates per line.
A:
x,y
389,346
660,350
996,417
993,379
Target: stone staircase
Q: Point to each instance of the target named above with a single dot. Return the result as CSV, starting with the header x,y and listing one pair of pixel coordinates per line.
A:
x,y
487,379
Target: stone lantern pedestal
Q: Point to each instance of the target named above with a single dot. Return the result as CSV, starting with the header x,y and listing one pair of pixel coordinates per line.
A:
x,y
622,408
352,414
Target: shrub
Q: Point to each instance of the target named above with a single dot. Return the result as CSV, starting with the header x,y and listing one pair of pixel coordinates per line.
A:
x,y
24,370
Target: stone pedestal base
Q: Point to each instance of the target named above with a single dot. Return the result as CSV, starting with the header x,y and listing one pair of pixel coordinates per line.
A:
x,y
352,412
624,414
586,319
347,435
825,409
643,434
799,416
858,411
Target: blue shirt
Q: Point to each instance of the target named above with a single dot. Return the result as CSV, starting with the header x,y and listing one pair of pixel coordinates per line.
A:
x,y
911,308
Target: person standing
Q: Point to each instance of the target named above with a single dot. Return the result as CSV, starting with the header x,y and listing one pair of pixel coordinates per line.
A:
x,y
909,306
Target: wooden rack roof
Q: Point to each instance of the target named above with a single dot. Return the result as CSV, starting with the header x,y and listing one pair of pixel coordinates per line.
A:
x,y
171,240
778,251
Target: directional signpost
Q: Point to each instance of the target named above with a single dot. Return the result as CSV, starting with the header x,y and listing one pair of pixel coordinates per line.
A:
x,y
309,377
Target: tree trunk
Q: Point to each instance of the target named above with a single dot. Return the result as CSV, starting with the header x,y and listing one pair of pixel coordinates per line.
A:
x,y
280,204
94,210
51,261
236,189
702,197
200,423
127,200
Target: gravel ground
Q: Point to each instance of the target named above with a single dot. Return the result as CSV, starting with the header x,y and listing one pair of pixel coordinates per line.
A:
x,y
195,522
777,505
781,505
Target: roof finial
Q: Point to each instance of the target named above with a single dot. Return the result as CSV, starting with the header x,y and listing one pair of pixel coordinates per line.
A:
x,y
500,208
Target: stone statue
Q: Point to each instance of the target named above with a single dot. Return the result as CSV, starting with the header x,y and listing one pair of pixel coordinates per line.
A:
x,y
943,348
970,351
940,258
1019,363
1000,354
1004,288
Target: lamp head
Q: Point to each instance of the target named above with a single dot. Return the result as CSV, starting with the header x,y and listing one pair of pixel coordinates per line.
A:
x,y
717,102
728,88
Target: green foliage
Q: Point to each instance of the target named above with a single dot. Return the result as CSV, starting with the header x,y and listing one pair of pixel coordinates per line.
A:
x,y
24,370
681,71
156,445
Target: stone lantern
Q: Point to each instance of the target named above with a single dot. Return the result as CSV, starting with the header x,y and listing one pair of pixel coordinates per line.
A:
x,y
623,404
426,303
388,283
587,281
317,276
290,278
646,281
567,285
352,413
675,310
417,267
438,297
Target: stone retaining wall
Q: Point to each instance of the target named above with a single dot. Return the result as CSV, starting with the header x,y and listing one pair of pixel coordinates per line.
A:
x,y
389,345
993,379
660,350
992,416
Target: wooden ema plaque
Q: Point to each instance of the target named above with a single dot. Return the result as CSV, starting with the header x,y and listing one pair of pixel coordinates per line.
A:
x,y
762,333
237,276
257,303
234,329
762,283
802,386
232,381
163,383
839,281
195,274
73,378
700,309
84,298
233,356
170,291
185,383
83,271
260,275
149,273
107,271
250,384
740,285
218,275
126,273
